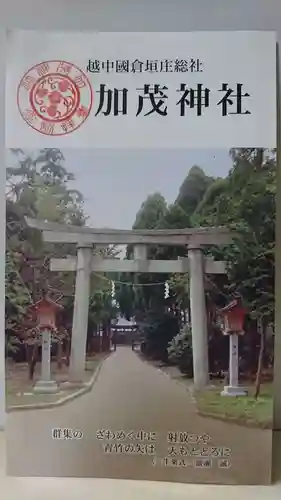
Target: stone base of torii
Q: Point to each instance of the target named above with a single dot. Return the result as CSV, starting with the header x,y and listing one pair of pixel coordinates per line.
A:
x,y
195,264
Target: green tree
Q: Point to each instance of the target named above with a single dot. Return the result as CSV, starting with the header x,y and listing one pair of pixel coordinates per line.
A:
x,y
38,186
245,201
193,189
151,211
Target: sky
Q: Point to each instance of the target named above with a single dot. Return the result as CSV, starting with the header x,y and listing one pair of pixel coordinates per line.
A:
x,y
116,182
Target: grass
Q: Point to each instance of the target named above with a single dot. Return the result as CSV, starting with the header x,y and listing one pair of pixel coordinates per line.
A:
x,y
19,390
31,399
243,410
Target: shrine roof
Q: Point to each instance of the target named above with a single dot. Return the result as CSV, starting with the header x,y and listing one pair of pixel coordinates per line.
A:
x,y
46,301
232,305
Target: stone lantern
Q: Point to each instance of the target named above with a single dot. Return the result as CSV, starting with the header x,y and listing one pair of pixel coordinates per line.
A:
x,y
46,311
233,316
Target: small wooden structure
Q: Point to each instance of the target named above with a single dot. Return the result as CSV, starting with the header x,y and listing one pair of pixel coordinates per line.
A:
x,y
46,311
233,316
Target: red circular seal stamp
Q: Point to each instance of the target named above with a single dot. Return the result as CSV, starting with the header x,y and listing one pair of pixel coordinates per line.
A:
x,y
54,97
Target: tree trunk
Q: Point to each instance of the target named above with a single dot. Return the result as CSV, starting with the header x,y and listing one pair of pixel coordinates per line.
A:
x,y
68,350
184,316
33,361
261,330
59,355
105,336
189,311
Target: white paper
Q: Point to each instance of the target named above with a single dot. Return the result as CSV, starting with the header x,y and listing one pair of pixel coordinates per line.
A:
x,y
230,58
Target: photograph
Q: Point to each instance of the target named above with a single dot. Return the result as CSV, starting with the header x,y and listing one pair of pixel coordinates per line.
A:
x,y
139,313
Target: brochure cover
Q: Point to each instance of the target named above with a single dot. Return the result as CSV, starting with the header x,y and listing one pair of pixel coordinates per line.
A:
x,y
140,236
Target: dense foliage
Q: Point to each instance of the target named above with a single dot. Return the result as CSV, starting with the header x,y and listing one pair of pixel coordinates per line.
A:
x,y
38,185
245,201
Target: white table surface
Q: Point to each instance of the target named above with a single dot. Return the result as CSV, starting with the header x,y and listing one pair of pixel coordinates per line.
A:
x,y
54,488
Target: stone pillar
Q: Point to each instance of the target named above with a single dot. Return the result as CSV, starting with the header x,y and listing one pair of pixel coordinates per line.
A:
x,y
233,388
140,252
46,356
46,385
80,314
233,360
198,318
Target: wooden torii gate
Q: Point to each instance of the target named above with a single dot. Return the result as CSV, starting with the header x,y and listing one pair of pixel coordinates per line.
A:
x,y
196,265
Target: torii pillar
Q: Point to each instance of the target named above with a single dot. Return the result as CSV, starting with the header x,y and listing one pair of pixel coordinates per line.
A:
x,y
198,318
80,313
